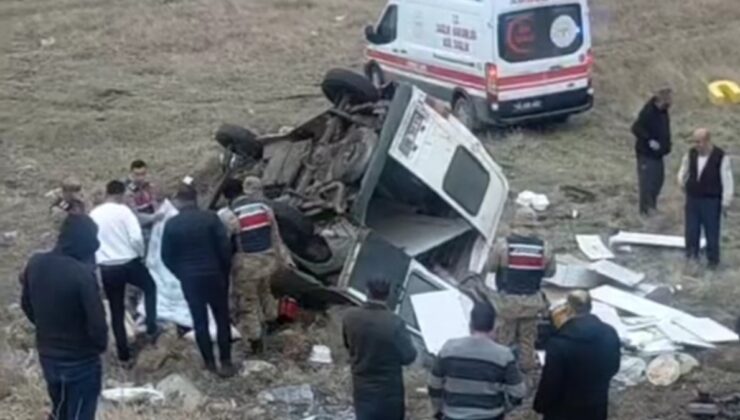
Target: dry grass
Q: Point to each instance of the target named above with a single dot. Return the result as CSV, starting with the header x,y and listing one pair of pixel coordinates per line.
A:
x,y
154,78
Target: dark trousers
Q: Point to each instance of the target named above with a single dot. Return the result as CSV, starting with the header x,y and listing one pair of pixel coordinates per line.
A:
x,y
202,292
74,387
650,176
378,400
703,213
115,279
369,409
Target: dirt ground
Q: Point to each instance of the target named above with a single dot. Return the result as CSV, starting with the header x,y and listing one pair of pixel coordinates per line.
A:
x,y
86,86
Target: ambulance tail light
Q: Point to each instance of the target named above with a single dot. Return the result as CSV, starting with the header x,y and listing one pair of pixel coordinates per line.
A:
x,y
492,81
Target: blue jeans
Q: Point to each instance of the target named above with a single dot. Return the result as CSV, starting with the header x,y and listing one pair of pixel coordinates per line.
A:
x,y
703,213
74,387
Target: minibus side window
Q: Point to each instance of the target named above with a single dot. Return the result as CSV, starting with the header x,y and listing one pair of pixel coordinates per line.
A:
x,y
466,181
386,32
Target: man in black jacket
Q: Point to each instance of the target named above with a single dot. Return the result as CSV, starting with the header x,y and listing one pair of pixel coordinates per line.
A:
x,y
652,132
62,299
379,346
580,361
197,250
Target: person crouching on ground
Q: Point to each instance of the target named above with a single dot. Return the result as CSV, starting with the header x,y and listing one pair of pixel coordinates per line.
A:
x,y
580,361
196,249
474,377
379,346
61,298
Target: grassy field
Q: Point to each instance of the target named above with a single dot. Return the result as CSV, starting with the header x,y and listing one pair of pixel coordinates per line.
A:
x,y
86,86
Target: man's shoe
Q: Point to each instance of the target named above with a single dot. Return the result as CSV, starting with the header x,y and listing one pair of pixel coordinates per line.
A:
x,y
211,367
151,338
228,370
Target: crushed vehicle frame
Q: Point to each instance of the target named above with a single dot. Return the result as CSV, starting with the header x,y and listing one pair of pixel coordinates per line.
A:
x,y
386,183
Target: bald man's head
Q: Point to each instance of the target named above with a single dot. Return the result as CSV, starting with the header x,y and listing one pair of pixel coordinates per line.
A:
x,y
703,140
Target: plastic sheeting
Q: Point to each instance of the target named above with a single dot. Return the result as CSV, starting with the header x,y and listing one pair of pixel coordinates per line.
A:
x,y
171,304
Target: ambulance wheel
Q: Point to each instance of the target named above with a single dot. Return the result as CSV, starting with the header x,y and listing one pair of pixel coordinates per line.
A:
x,y
464,110
239,140
375,74
353,88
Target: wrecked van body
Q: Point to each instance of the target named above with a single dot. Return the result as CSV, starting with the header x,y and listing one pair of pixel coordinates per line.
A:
x,y
383,184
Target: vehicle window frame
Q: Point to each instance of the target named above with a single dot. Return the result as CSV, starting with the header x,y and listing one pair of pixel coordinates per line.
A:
x,y
575,11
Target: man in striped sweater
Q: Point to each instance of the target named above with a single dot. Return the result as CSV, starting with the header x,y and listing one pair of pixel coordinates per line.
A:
x,y
474,378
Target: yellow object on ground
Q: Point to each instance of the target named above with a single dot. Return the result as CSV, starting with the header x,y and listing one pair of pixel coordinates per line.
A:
x,y
724,92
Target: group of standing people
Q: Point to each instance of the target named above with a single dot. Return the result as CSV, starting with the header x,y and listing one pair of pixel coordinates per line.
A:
x,y
483,376
223,262
705,176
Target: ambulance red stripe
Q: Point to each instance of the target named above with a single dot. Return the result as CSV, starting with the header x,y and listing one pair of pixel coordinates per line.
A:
x,y
478,82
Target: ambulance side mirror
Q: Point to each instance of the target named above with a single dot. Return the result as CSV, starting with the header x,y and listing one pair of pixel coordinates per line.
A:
x,y
370,34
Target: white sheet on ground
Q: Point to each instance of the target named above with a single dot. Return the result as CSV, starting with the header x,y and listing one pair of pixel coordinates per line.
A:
x,y
442,316
171,304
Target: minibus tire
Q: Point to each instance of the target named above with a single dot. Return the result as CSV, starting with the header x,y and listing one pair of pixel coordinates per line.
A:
x,y
239,140
343,83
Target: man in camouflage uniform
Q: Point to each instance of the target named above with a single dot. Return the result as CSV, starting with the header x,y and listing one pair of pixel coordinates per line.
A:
x,y
67,200
259,250
520,262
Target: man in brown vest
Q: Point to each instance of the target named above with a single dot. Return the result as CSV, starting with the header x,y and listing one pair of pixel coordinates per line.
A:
x,y
706,178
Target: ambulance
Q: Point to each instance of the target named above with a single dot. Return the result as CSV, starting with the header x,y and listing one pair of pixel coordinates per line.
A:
x,y
496,62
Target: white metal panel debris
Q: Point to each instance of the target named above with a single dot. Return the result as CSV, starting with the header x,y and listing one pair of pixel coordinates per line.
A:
x,y
649,239
593,247
617,273
441,316
610,316
707,329
573,273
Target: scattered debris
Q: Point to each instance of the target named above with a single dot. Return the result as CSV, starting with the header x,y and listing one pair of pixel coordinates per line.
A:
x,y
321,354
178,387
688,363
291,395
573,273
664,370
441,316
133,395
258,368
593,248
48,42
538,202
578,195
649,239
631,371
617,273
8,239
609,315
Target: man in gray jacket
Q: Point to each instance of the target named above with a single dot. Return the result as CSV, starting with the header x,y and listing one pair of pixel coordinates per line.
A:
x,y
379,346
